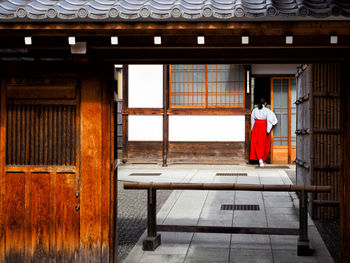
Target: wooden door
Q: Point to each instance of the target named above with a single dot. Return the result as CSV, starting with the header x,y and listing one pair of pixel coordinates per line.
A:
x,y
283,96
40,179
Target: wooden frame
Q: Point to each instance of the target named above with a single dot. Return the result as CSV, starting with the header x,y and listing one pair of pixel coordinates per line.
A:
x,y
207,106
289,112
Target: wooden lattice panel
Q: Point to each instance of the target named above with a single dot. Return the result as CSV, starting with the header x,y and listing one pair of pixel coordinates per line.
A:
x,y
41,134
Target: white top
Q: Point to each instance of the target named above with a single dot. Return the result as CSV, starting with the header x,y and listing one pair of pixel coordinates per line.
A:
x,y
264,114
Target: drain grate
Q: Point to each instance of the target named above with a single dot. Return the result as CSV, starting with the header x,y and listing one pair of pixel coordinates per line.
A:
x,y
231,174
273,167
145,174
240,207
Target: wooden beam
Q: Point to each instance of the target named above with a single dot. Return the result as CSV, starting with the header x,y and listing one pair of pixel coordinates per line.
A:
x,y
228,230
227,187
271,28
143,111
214,111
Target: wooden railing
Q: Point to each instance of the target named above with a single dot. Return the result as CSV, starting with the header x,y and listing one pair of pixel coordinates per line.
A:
x,y
153,240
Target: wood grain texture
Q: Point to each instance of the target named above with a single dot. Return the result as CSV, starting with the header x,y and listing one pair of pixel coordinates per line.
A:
x,y
206,152
67,219
145,151
91,150
2,170
40,224
345,175
33,130
142,111
50,141
15,215
321,146
106,164
40,92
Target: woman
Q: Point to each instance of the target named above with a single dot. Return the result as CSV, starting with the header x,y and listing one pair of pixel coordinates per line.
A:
x,y
263,119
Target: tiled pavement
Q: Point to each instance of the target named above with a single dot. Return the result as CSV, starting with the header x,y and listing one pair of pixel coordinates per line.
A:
x,y
277,209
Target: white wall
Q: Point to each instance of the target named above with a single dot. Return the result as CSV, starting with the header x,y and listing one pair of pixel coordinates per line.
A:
x,y
207,128
145,128
145,86
274,69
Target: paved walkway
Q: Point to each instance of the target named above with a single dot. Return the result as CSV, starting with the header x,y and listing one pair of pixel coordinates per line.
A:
x,y
277,209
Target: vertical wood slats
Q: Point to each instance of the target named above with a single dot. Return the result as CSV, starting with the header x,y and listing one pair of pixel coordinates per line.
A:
x,y
41,135
326,89
321,149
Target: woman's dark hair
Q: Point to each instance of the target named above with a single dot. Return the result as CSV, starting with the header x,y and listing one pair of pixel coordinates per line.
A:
x,y
262,102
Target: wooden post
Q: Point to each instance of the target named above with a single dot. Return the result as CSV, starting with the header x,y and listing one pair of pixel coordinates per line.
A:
x,y
303,241
165,114
124,112
289,119
248,103
345,175
152,240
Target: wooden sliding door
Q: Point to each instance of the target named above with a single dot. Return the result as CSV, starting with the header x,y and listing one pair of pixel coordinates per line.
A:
x,y
40,169
283,96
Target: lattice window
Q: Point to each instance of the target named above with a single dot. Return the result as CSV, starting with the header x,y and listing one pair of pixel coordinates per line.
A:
x,y
41,134
207,86
284,93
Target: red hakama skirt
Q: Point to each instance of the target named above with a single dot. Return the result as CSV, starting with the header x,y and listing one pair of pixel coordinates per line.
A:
x,y
260,142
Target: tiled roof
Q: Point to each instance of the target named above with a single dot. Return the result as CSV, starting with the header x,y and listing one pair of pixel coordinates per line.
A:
x,y
169,10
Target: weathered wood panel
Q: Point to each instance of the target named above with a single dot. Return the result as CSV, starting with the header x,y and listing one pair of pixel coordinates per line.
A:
x,y
318,138
67,218
345,178
40,221
206,151
15,216
63,91
145,151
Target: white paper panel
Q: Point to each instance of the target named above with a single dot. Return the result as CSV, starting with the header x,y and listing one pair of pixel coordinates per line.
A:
x,y
145,128
145,86
274,69
225,128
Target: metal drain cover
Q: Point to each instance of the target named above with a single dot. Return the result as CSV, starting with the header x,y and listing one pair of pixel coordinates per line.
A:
x,y
273,167
242,207
145,174
231,174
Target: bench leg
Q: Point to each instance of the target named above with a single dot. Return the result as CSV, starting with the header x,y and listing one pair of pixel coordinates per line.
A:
x,y
152,241
303,241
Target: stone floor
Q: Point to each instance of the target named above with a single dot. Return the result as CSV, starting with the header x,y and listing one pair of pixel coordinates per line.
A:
x,y
277,209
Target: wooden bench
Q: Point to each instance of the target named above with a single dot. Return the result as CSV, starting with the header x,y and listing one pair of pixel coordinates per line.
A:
x,y
153,240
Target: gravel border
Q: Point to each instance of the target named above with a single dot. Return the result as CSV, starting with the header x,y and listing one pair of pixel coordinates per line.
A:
x,y
132,217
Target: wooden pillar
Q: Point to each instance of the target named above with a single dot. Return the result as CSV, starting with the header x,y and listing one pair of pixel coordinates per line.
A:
x,y
165,114
248,102
97,177
345,178
124,112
